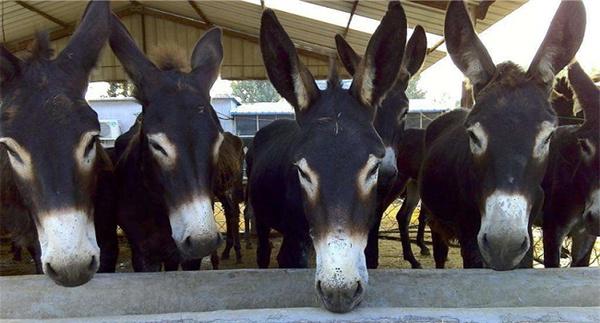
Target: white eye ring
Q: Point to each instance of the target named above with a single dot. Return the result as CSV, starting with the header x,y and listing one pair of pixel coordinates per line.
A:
x,y
19,158
85,153
162,149
368,175
587,149
543,139
477,139
308,179
156,148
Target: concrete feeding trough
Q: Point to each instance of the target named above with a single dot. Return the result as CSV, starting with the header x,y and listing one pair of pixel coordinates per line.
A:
x,y
288,295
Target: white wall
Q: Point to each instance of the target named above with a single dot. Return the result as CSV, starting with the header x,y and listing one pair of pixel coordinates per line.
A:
x,y
125,110
223,108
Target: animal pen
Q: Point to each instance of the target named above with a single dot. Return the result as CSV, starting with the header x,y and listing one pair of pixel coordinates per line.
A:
x,y
239,291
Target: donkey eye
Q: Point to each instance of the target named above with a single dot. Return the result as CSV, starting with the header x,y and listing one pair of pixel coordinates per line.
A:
x,y
548,139
585,147
374,171
13,154
91,145
474,139
155,146
303,174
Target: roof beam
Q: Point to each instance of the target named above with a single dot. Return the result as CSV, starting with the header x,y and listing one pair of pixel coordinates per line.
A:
x,y
199,11
43,14
354,6
481,5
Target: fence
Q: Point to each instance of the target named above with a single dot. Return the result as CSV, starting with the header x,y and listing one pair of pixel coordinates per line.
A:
x,y
389,230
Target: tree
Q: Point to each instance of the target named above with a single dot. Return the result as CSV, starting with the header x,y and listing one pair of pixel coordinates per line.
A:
x,y
254,91
116,89
413,91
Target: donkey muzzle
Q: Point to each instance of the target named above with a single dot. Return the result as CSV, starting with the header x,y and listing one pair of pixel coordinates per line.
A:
x,y
194,229
70,253
341,278
503,237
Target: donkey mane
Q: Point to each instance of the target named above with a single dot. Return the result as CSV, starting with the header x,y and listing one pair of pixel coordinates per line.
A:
x,y
170,58
509,74
39,48
333,78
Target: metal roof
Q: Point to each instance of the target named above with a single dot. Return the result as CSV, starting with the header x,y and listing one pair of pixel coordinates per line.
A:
x,y
279,107
240,21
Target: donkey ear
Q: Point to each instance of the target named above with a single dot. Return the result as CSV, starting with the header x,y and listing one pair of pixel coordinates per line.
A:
x,y
561,43
10,65
289,76
135,63
415,51
208,56
379,67
82,51
465,48
587,93
350,59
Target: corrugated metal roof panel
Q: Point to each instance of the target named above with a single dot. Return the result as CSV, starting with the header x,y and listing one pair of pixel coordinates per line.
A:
x,y
432,19
240,19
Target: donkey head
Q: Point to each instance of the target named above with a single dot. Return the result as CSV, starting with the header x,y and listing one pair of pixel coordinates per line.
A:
x,y
587,137
508,131
50,136
391,114
338,154
180,135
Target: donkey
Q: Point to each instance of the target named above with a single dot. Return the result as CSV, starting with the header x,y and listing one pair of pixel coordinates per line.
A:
x,y
52,166
410,156
389,122
314,178
483,168
572,181
229,190
167,161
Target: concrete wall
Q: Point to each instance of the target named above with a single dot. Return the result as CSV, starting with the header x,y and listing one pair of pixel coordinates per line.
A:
x,y
371,315
37,297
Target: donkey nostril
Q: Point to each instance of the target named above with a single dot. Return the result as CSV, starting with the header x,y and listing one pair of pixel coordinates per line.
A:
x,y
524,244
486,243
93,263
319,289
50,270
187,242
359,289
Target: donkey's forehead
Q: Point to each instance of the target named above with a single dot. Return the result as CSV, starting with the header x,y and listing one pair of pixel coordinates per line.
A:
x,y
349,148
49,113
519,106
172,117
